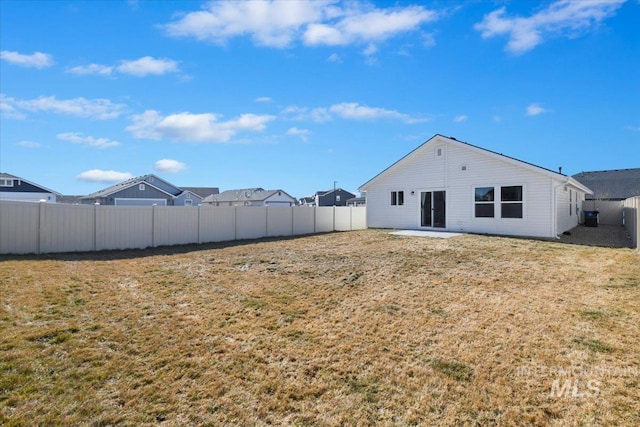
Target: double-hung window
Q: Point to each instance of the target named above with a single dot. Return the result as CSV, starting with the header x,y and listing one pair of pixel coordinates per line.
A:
x,y
397,198
484,201
511,201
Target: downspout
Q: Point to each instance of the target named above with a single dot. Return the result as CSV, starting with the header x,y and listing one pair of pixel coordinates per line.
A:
x,y
554,211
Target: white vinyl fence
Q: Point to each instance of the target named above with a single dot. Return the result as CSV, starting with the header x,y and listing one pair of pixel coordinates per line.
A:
x,y
632,219
610,211
54,227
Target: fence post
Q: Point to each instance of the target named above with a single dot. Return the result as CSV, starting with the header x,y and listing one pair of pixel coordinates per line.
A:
x,y
153,226
95,227
40,225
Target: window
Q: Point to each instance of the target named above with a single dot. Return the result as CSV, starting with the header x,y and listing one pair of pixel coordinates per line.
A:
x,y
511,198
6,183
439,152
141,187
484,201
337,197
397,198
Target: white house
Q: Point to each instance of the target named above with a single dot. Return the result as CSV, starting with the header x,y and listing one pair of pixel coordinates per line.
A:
x,y
450,185
250,197
15,188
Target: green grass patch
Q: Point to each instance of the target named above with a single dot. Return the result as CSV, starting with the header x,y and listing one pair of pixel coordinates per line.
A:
x,y
457,371
594,345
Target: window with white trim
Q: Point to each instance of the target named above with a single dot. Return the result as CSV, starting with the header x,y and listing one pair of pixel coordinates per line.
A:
x,y
511,201
6,182
397,198
141,187
484,202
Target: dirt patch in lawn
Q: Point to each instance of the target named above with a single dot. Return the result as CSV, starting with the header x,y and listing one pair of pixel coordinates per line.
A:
x,y
355,328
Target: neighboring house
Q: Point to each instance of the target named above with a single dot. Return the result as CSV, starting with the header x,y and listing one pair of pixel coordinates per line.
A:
x,y
250,197
357,201
146,190
617,184
446,184
15,188
337,197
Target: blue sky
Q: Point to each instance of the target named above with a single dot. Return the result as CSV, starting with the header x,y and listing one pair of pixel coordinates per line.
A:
x,y
297,95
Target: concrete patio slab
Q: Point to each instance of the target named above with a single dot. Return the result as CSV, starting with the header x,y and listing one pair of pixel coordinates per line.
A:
x,y
424,233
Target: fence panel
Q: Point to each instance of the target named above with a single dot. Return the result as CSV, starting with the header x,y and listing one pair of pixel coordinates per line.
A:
x,y
19,225
304,219
175,225
610,210
279,221
251,222
67,228
124,227
217,224
324,219
27,227
358,218
632,219
343,218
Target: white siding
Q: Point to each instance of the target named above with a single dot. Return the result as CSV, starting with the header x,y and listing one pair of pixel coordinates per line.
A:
x,y
424,170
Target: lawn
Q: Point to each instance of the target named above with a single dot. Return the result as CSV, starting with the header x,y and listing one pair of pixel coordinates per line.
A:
x,y
355,328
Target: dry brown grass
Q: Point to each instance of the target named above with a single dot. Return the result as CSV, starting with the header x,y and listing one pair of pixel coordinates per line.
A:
x,y
354,328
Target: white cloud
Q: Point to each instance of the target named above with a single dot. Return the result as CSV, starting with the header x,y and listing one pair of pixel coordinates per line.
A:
x,y
348,111
96,69
461,118
334,57
169,166
371,49
98,175
264,99
29,144
35,60
89,141
8,109
302,133
564,18
535,109
100,109
366,26
148,65
194,127
280,23
428,40
355,111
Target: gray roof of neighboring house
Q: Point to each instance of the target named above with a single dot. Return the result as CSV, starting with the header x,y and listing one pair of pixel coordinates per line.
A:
x,y
202,191
243,194
4,175
617,184
128,183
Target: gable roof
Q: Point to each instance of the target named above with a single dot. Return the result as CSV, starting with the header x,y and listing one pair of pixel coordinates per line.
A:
x,y
512,160
257,194
130,183
612,184
202,191
4,175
